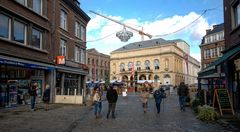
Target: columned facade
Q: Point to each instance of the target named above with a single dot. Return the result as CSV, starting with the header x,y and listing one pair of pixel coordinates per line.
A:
x,y
160,62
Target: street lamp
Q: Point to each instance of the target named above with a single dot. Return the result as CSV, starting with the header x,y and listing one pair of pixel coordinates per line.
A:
x,y
124,35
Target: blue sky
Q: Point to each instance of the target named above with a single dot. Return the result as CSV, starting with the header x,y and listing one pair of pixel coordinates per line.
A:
x,y
157,17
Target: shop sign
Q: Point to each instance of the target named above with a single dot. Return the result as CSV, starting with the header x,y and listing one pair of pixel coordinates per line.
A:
x,y
60,60
10,62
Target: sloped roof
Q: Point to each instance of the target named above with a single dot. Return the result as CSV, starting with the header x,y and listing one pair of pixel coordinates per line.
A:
x,y
216,28
146,44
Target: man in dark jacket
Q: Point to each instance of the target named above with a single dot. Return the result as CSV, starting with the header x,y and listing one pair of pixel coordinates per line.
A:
x,y
158,95
182,93
112,97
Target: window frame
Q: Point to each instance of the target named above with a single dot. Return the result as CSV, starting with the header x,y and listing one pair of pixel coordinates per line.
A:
x,y
122,67
77,29
156,64
236,14
41,7
41,37
77,53
25,31
63,19
147,65
63,46
9,27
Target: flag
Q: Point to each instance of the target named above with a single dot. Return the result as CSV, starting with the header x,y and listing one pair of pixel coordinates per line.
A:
x,y
132,69
186,57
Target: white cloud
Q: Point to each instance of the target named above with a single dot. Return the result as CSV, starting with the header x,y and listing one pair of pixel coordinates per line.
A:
x,y
100,27
196,56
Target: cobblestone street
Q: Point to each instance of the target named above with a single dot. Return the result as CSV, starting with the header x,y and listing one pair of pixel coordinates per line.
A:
x,y
129,117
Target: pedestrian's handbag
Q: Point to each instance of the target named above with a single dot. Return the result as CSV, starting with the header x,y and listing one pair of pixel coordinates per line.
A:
x,y
45,98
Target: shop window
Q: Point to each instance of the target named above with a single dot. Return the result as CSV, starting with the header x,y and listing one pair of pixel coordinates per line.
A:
x,y
36,38
5,24
19,32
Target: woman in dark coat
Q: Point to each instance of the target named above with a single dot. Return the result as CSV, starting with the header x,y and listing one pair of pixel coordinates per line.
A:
x,y
46,97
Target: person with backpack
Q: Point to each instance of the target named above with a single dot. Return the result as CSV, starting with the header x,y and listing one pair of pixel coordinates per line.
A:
x,y
112,97
158,96
182,93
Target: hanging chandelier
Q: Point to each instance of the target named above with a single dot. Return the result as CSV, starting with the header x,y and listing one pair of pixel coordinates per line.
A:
x,y
124,35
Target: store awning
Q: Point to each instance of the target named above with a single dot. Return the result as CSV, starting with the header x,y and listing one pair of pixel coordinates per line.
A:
x,y
214,75
211,69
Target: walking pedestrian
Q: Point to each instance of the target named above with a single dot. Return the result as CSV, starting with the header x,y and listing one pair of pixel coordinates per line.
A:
x,y
158,96
182,93
144,99
97,95
46,97
112,97
33,94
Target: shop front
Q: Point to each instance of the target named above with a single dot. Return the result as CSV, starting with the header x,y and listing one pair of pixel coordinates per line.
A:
x,y
16,77
70,85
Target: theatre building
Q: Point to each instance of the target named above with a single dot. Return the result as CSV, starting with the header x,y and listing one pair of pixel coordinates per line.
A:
x,y
155,61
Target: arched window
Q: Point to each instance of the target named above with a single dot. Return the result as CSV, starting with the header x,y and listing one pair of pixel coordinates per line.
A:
x,y
156,64
122,67
147,65
138,65
130,66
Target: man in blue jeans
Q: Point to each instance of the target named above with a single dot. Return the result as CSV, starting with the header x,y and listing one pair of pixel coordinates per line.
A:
x,y
33,94
182,93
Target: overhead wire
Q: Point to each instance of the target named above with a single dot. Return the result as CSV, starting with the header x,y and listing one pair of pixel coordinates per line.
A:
x,y
99,39
78,40
204,12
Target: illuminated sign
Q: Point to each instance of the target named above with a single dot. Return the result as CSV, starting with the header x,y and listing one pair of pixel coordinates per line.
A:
x,y
60,60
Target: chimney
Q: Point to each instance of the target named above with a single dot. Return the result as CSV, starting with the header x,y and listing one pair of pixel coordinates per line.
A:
x,y
207,31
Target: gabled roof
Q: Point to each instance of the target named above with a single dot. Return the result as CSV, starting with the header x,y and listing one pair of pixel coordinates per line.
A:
x,y
146,44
